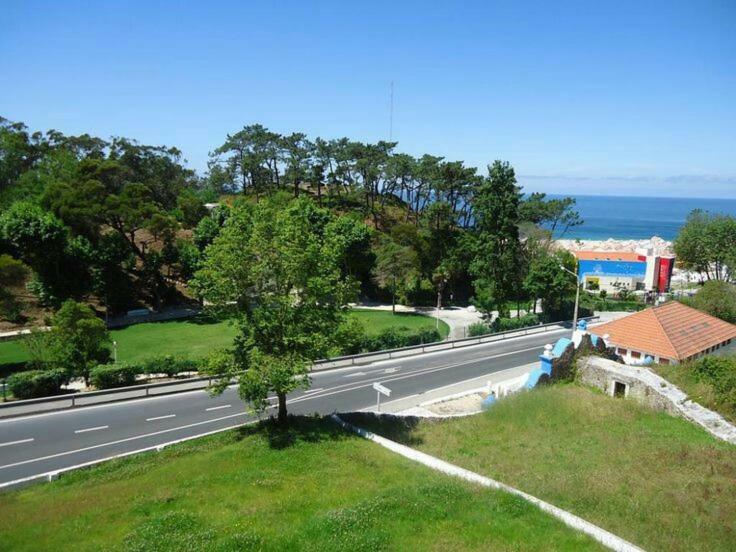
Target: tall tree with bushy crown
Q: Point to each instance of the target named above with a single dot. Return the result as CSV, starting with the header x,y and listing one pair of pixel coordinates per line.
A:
x,y
281,268
496,265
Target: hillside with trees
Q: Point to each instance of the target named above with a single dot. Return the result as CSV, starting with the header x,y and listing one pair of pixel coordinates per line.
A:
x,y
117,224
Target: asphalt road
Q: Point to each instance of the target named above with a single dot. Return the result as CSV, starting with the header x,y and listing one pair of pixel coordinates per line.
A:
x,y
44,443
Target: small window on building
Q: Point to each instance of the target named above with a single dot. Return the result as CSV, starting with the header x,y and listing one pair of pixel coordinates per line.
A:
x,y
619,389
622,351
635,354
664,361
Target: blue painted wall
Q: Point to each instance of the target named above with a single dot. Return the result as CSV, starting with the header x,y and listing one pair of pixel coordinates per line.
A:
x,y
611,268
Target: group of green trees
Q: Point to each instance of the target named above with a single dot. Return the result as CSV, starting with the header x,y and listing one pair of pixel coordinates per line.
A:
x,y
301,228
116,223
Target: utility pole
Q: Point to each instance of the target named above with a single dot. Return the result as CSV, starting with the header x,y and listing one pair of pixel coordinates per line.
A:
x,y
577,295
391,114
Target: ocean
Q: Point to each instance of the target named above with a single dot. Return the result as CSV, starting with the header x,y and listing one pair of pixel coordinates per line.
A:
x,y
622,217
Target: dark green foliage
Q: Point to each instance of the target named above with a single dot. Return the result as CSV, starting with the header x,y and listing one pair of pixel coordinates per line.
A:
x,y
590,303
109,376
720,373
78,340
395,338
190,209
170,365
717,298
108,221
42,242
508,324
497,262
546,280
33,384
707,245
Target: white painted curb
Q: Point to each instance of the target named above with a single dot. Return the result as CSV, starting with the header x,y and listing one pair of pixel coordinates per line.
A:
x,y
571,520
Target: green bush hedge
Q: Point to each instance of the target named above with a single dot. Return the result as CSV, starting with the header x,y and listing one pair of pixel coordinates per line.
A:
x,y
33,384
719,372
508,324
169,365
395,338
479,328
109,376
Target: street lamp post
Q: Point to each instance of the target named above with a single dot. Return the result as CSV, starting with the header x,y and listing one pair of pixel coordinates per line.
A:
x,y
577,296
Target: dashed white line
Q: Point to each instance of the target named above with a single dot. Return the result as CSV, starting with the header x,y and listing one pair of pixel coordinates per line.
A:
x,y
161,417
315,390
218,407
19,442
91,429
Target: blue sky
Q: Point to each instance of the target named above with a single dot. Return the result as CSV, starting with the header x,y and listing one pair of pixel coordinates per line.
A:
x,y
581,97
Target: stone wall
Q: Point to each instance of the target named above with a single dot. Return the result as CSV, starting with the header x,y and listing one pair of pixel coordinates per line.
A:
x,y
646,387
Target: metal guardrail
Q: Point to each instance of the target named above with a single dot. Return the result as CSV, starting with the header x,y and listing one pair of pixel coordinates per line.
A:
x,y
74,400
364,358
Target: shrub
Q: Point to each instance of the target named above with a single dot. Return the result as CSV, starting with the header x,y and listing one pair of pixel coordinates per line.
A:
x,y
33,384
478,328
717,299
169,365
395,338
720,372
508,324
109,376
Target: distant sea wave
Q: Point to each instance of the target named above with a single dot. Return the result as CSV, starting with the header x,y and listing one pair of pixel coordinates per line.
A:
x,y
639,217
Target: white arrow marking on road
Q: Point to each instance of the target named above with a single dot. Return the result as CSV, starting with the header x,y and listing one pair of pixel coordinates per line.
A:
x,y
161,417
15,442
91,429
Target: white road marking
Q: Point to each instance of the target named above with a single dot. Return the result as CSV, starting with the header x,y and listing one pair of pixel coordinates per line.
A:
x,y
91,429
20,442
315,374
391,370
161,417
422,371
196,424
314,390
217,407
119,441
355,374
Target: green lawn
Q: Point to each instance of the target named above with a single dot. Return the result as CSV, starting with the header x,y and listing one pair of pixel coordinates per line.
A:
x,y
376,321
650,478
195,338
315,488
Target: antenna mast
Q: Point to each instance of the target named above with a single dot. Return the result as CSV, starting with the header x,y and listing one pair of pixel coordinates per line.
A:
x,y
391,115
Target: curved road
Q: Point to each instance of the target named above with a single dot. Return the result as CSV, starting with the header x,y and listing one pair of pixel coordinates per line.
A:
x,y
43,443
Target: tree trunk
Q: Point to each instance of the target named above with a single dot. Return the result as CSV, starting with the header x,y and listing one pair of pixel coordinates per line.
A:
x,y
282,408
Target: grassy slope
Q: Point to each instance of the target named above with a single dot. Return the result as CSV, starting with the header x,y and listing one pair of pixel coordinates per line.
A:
x,y
702,392
252,489
653,479
376,321
193,339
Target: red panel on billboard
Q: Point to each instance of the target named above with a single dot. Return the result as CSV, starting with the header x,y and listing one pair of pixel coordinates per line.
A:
x,y
666,264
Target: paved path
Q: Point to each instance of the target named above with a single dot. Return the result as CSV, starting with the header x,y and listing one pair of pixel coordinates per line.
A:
x,y
42,443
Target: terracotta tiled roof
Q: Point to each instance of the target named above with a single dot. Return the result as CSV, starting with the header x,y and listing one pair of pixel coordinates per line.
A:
x,y
672,330
608,256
